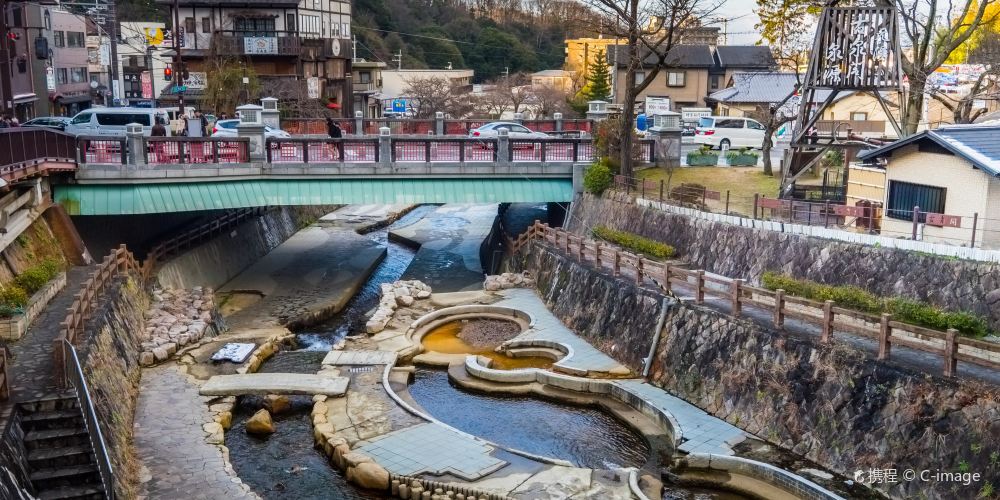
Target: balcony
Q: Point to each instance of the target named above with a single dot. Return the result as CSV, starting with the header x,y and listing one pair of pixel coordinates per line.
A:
x,y
265,43
366,87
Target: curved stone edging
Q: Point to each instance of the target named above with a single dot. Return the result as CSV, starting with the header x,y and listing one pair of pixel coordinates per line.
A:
x,y
633,484
468,309
793,484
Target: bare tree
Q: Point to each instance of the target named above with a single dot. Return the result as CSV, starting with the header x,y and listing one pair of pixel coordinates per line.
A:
x,y
429,95
550,100
963,108
492,102
293,97
934,30
650,29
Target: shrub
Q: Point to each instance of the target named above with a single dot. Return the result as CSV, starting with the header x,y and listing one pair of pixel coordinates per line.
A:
x,y
13,297
903,310
35,277
598,178
740,152
635,242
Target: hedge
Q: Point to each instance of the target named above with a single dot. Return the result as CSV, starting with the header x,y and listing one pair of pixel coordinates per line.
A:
x,y
634,242
598,178
859,299
14,296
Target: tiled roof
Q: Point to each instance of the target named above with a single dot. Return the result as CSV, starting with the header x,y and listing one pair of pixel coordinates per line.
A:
x,y
760,87
745,56
975,143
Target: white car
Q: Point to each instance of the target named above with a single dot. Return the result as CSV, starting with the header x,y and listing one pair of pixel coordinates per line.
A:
x,y
227,128
514,131
726,132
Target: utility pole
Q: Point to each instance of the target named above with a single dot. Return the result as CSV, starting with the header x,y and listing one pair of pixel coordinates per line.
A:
x,y
113,34
354,47
7,106
178,61
725,28
398,59
506,72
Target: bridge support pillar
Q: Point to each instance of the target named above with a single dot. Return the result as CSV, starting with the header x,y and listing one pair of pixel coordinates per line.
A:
x,y
439,123
359,123
384,148
135,144
503,148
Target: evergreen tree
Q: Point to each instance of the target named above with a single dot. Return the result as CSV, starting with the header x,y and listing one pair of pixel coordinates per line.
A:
x,y
598,87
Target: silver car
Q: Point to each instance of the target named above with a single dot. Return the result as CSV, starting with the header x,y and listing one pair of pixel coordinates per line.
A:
x,y
514,130
227,128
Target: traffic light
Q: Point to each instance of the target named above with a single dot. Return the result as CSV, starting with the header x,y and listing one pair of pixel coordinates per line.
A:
x,y
168,74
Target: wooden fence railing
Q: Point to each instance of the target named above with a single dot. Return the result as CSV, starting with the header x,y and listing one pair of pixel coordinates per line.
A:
x,y
196,235
4,379
119,261
831,319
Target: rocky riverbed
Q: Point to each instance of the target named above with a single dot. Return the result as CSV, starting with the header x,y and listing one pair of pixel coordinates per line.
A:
x,y
175,319
487,332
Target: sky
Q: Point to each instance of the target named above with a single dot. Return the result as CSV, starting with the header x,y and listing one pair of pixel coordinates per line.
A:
x,y
741,21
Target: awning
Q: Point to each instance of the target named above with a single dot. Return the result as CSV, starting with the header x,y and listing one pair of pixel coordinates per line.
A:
x,y
23,98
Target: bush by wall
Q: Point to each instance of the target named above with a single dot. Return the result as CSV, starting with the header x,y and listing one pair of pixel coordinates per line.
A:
x,y
634,242
598,178
905,310
15,295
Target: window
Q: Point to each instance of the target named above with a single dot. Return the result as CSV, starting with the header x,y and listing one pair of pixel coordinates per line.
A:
x,y
903,196
859,117
714,82
96,78
59,38
310,24
206,25
75,39
289,22
78,75
81,118
754,125
345,30
365,77
62,76
189,26
639,77
254,26
706,122
675,78
519,129
729,123
122,119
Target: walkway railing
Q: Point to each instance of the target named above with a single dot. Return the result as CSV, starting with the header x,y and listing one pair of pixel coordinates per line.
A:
x,y
827,315
21,148
75,378
196,235
98,149
87,299
424,126
196,150
322,150
451,150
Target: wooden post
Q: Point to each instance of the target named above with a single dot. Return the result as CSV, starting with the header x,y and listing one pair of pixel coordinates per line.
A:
x,y
756,196
916,219
661,190
583,254
727,202
827,322
826,214
975,222
567,242
666,276
616,266
884,336
779,308
597,254
699,296
737,289
642,189
950,349
638,269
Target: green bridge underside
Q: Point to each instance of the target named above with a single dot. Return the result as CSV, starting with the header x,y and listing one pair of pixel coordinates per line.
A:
x,y
134,199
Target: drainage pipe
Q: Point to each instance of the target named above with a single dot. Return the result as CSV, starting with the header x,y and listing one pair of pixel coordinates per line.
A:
x,y
656,337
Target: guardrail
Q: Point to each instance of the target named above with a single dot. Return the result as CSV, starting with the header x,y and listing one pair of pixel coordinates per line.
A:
x,y
119,261
196,150
76,379
102,149
424,126
827,315
21,148
322,150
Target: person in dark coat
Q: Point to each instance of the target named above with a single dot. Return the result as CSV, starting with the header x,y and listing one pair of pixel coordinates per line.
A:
x,y
158,130
333,130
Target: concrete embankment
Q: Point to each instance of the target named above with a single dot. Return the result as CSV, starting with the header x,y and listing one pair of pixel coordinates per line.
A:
x,y
828,402
742,252
215,262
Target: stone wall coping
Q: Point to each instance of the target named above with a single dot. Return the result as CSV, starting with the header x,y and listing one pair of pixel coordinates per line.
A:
x,y
467,309
793,483
17,325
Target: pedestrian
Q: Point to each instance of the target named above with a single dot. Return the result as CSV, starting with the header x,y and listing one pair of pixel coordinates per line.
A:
x,y
4,121
332,129
158,130
814,135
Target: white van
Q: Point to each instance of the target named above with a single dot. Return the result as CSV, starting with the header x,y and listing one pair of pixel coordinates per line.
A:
x,y
729,132
112,121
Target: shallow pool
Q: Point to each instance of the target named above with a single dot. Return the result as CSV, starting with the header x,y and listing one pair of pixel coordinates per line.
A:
x,y
444,339
585,436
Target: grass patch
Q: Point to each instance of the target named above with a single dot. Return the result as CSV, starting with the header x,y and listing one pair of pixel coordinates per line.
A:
x,y
903,310
634,242
742,183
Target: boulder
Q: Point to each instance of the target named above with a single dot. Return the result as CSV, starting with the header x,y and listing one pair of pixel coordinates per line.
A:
x,y
226,419
369,475
146,359
354,458
404,300
260,423
160,354
277,403
492,284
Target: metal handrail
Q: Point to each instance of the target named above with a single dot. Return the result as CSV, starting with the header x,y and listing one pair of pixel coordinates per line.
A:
x,y
75,373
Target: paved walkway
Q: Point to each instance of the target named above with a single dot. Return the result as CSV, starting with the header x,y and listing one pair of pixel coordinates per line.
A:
x,y
171,443
432,449
548,327
701,432
31,367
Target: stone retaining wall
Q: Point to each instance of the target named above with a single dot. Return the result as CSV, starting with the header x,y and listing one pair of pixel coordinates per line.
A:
x,y
741,252
215,262
110,358
834,405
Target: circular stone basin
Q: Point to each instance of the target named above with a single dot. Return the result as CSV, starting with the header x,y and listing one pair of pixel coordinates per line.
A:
x,y
445,339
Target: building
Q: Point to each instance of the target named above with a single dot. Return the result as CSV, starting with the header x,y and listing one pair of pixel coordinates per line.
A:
x,y
692,72
366,77
141,64
300,43
28,98
553,79
953,175
70,63
395,81
582,52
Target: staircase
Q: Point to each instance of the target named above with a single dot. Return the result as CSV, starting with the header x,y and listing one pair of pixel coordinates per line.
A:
x,y
61,462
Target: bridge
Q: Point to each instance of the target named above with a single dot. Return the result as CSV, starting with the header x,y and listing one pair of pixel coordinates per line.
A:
x,y
143,175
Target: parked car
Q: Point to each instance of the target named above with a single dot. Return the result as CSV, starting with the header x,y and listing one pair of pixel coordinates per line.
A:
x,y
688,130
112,121
729,132
514,130
227,128
56,122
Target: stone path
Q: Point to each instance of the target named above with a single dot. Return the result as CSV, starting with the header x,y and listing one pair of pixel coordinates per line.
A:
x,y
274,383
31,367
359,358
432,449
701,432
548,327
170,442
